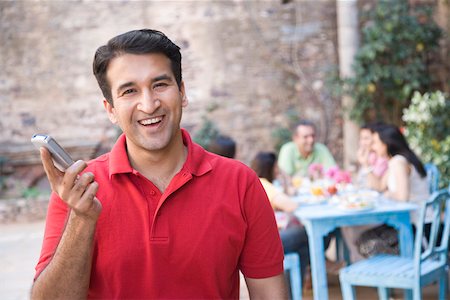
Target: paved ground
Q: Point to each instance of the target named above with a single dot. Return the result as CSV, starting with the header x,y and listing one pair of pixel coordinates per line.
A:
x,y
19,250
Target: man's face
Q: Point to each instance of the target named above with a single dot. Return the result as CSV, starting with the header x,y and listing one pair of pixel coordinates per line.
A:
x,y
147,100
304,138
365,138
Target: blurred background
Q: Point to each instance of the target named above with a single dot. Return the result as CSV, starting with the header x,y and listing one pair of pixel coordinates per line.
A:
x,y
251,69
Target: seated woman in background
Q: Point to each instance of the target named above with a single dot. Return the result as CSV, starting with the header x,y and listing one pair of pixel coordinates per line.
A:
x,y
369,162
404,180
406,177
292,233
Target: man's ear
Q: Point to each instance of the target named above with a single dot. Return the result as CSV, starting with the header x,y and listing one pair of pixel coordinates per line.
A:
x,y
184,99
110,110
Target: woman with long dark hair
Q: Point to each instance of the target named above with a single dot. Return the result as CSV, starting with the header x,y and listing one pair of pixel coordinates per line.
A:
x,y
404,180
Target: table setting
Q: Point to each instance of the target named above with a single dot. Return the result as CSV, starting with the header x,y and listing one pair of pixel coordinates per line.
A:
x,y
329,200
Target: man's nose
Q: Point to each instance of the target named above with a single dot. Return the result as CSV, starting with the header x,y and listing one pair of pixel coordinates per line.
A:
x,y
148,102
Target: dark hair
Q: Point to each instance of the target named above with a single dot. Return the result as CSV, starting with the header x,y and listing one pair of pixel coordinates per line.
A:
x,y
142,41
303,123
223,145
397,144
263,164
373,126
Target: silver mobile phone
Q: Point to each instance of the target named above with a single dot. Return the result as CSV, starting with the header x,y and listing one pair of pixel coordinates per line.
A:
x,y
61,159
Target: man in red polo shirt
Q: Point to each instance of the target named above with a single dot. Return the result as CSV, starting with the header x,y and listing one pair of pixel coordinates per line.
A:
x,y
158,216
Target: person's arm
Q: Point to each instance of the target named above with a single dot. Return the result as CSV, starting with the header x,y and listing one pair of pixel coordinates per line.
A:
x,y
400,171
373,181
267,288
283,202
67,275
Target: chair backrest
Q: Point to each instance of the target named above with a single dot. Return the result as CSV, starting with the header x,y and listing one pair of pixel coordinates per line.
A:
x,y
433,177
437,246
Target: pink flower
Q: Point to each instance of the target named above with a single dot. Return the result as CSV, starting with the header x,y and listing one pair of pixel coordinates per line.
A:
x,y
338,175
331,172
315,168
343,177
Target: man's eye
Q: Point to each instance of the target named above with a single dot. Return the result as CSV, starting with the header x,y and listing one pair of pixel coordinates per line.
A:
x,y
160,85
129,91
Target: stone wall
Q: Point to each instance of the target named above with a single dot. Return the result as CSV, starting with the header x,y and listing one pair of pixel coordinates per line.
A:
x,y
246,64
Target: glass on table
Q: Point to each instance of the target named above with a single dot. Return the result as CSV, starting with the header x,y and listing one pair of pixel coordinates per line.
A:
x,y
297,181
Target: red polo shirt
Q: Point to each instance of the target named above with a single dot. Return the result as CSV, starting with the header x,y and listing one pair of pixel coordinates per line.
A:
x,y
189,242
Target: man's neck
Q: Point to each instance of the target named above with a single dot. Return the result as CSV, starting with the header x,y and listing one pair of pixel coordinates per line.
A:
x,y
305,154
159,166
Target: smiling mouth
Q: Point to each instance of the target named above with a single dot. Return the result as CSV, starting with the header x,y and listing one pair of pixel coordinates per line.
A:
x,y
151,121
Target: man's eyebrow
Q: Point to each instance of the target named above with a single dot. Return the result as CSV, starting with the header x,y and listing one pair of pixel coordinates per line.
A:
x,y
124,85
162,77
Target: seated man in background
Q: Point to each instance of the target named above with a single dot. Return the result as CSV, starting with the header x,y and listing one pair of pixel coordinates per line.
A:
x,y
296,156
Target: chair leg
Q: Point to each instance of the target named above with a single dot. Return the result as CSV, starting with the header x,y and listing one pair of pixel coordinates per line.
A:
x,y
348,291
443,287
296,284
383,293
417,293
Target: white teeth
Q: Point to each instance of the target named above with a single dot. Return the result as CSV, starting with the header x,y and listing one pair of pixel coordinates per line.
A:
x,y
151,121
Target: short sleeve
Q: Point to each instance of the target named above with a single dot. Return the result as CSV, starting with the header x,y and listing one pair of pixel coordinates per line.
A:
x,y
262,255
285,159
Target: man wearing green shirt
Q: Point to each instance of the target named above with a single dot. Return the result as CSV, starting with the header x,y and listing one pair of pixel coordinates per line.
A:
x,y
296,156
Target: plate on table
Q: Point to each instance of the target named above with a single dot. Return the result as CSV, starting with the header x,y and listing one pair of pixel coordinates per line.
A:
x,y
311,200
356,206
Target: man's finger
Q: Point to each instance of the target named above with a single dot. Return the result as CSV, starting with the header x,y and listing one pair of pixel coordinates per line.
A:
x,y
49,168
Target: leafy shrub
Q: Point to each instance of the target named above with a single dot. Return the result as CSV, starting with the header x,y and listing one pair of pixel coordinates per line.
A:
x,y
427,128
398,42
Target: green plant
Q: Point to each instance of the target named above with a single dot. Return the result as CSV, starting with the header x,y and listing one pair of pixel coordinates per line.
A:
x,y
282,135
397,44
427,128
31,192
206,133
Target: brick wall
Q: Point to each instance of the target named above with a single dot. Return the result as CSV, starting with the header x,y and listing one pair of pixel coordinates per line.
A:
x,y
245,65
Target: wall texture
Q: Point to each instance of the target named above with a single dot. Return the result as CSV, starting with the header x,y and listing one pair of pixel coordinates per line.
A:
x,y
246,64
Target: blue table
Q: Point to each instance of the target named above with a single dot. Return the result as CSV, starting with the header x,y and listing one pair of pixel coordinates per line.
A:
x,y
321,219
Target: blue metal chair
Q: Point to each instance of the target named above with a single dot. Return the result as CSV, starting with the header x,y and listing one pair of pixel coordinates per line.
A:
x,y
292,265
410,273
433,176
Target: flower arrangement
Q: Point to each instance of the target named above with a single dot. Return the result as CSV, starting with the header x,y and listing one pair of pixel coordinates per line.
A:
x,y
338,175
315,171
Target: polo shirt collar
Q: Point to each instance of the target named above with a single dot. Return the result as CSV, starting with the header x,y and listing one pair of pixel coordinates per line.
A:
x,y
197,162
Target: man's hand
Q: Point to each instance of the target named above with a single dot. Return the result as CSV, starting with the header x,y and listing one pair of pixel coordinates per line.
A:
x,y
77,191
